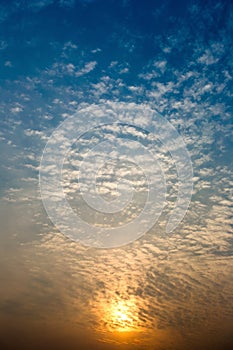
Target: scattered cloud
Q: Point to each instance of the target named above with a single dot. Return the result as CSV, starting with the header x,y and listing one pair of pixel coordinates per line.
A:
x,y
86,69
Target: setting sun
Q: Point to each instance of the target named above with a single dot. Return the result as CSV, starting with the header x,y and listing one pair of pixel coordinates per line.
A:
x,y
121,316
122,319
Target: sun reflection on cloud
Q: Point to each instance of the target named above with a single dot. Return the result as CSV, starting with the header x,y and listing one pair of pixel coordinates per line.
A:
x,y
121,316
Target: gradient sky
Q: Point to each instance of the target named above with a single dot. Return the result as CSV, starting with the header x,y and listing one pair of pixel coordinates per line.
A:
x,y
162,291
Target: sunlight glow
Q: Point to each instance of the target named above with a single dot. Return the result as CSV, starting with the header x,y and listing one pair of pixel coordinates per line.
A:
x,y
122,316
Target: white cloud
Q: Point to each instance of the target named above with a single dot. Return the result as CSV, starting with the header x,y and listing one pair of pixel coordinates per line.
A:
x,y
8,64
3,44
86,69
16,109
96,50
67,3
39,4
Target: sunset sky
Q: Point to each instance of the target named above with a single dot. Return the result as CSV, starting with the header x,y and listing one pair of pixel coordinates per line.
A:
x,y
129,92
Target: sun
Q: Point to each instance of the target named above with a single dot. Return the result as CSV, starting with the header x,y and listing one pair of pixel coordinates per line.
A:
x,y
121,317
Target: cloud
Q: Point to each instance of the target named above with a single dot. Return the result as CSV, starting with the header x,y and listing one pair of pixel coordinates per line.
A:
x,y
17,109
3,45
67,3
178,286
86,69
39,4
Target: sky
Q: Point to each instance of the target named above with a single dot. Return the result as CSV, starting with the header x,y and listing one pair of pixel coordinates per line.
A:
x,y
116,174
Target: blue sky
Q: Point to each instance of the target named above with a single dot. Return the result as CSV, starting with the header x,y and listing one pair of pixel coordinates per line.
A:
x,y
58,57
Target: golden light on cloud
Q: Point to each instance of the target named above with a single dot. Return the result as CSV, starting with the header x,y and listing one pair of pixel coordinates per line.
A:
x,y
121,316
122,319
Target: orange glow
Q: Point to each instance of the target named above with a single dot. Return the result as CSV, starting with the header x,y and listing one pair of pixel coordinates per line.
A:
x,y
122,319
121,316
